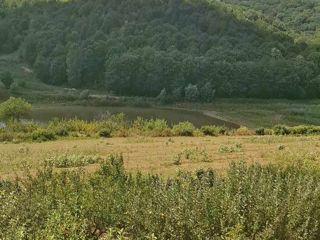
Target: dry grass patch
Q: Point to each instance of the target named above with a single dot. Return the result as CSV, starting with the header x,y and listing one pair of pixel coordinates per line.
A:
x,y
155,154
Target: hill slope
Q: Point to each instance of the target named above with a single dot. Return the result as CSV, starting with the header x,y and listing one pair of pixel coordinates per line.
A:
x,y
140,47
300,17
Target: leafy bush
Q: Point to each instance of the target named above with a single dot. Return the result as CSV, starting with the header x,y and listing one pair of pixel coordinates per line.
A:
x,y
213,130
105,132
183,129
14,108
43,135
7,79
237,147
207,92
191,93
84,94
260,131
6,136
71,160
281,130
191,155
113,203
244,131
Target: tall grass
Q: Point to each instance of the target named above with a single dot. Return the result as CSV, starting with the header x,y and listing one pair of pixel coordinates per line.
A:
x,y
118,126
248,202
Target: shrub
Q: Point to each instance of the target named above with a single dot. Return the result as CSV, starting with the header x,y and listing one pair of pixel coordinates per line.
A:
x,y
191,155
114,204
7,79
157,128
84,94
106,133
260,131
237,147
243,131
72,160
191,93
207,92
61,131
42,135
183,129
314,130
281,130
162,96
14,87
6,136
14,108
213,130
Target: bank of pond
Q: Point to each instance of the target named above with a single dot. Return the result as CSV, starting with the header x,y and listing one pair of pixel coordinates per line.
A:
x,y
118,125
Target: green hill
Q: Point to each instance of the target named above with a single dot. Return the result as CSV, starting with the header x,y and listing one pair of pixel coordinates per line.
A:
x,y
301,18
140,47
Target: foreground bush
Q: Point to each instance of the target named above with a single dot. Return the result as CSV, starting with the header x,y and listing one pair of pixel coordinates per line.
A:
x,y
183,129
213,130
248,202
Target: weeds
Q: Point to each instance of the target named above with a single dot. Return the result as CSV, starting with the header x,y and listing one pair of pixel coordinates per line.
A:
x,y
117,126
72,160
237,147
191,155
247,202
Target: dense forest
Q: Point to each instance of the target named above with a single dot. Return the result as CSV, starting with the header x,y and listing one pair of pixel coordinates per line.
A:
x,y
167,47
300,16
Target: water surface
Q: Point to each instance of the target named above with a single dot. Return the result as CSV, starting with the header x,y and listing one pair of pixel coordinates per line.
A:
x,y
44,113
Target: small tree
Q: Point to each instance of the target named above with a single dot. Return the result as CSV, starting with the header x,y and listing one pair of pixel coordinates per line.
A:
x,y
191,93
84,94
7,79
162,97
207,92
14,109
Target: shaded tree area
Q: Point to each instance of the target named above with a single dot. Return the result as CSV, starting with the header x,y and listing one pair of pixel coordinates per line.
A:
x,y
140,47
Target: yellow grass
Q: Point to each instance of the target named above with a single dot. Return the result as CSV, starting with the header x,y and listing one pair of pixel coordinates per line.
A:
x,y
155,155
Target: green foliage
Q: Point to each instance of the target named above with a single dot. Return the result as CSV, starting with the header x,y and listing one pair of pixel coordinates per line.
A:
x,y
281,130
260,131
213,130
183,129
191,155
207,92
246,202
7,79
118,126
191,93
297,130
84,94
72,160
42,135
171,44
106,133
14,108
237,147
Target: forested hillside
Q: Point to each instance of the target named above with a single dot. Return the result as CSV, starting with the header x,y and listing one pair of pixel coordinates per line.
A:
x,y
301,17
140,47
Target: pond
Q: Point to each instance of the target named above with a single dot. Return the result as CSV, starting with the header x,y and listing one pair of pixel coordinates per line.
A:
x,y
44,113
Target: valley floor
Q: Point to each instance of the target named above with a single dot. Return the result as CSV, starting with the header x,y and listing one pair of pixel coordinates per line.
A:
x,y
159,155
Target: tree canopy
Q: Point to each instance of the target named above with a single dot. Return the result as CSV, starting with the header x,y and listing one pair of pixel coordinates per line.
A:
x,y
140,47
14,109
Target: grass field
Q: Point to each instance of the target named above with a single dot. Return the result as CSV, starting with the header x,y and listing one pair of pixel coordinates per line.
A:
x,y
157,155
